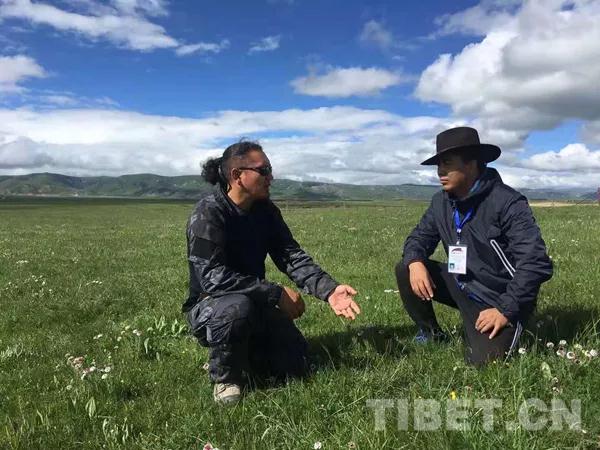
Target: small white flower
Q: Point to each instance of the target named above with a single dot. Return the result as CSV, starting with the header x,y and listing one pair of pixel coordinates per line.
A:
x,y
570,355
317,445
98,336
107,369
77,362
562,342
550,345
593,353
104,376
119,338
69,387
21,262
137,332
127,328
522,351
577,346
561,353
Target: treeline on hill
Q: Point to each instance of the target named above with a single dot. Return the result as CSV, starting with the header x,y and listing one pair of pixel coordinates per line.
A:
x,y
191,186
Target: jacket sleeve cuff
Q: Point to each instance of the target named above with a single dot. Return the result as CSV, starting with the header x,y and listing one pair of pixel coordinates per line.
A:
x,y
510,309
274,294
410,258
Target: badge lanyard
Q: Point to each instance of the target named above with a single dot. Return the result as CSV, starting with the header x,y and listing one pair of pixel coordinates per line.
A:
x,y
460,224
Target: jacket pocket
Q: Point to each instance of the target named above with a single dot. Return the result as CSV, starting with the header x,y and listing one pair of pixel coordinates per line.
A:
x,y
505,262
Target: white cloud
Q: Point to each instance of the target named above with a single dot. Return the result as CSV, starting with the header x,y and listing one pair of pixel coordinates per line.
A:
x,y
537,66
147,7
266,44
347,82
338,144
125,23
375,33
573,157
203,47
479,19
15,69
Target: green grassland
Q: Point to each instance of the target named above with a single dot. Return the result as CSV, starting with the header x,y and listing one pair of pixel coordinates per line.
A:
x,y
71,271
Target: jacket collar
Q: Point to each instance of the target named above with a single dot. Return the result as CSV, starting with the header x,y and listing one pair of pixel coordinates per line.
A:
x,y
483,185
222,197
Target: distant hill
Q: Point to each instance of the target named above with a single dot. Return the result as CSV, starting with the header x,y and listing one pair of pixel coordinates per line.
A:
x,y
191,186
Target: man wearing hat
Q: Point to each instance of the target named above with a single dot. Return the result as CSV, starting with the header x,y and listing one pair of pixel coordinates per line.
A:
x,y
497,259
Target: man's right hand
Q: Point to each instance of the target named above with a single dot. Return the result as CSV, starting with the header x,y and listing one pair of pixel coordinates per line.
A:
x,y
291,303
420,280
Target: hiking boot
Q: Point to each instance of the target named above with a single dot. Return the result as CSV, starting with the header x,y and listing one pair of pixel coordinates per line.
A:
x,y
227,393
427,336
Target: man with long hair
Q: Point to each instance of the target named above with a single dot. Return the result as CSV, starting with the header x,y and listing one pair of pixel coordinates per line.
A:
x,y
245,320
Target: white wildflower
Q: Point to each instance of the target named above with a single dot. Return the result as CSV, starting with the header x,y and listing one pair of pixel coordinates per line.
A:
x,y
570,355
98,336
317,445
562,342
550,345
137,332
104,376
577,346
561,353
593,353
522,351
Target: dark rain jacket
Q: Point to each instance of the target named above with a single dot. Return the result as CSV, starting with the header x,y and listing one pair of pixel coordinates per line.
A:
x,y
227,247
506,255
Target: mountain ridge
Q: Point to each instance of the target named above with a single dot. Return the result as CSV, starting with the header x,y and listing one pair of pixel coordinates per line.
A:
x,y
147,185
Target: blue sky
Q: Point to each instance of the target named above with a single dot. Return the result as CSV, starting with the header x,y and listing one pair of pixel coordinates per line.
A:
x,y
344,91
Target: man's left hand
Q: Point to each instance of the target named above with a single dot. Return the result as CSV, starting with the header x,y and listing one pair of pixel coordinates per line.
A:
x,y
342,302
490,319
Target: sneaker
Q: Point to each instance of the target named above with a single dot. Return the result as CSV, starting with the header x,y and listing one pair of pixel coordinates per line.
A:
x,y
227,393
426,336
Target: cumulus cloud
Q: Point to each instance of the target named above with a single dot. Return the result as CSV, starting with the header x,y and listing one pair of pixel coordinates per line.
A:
x,y
266,44
117,142
536,66
573,157
125,23
337,144
479,19
15,69
347,82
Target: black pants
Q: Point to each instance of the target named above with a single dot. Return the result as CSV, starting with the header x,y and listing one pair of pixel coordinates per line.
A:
x,y
243,337
479,348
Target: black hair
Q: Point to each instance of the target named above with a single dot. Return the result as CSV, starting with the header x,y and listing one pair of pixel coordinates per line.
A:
x,y
216,170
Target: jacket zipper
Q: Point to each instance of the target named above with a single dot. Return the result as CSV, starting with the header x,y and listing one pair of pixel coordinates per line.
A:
x,y
507,265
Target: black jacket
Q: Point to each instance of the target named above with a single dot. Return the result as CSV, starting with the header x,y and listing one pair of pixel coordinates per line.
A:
x,y
227,247
506,255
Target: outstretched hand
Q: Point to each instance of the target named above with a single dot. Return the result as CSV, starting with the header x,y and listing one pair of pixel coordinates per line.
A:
x,y
342,302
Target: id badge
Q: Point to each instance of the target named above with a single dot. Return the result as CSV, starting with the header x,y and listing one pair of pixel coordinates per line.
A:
x,y
457,259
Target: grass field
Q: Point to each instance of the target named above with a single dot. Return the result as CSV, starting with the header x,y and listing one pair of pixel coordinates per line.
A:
x,y
78,278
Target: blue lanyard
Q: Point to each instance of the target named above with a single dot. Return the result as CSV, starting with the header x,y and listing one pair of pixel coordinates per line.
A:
x,y
459,224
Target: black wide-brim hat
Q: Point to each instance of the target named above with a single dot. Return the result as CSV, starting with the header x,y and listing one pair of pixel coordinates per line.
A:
x,y
462,138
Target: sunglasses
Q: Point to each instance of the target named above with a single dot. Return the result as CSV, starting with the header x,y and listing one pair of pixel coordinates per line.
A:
x,y
262,170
